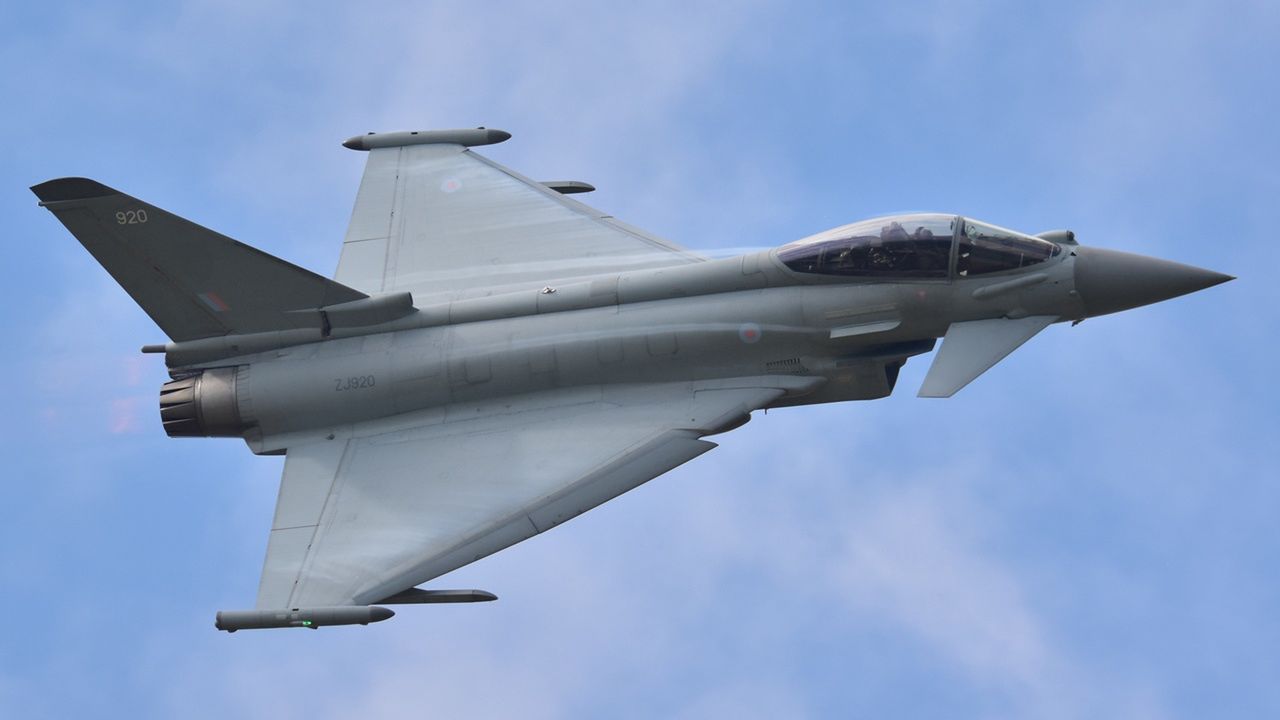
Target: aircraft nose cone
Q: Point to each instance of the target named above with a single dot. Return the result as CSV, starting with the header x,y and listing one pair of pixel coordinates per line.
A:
x,y
1110,281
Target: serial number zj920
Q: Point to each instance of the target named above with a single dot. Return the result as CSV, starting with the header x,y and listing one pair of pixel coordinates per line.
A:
x,y
355,382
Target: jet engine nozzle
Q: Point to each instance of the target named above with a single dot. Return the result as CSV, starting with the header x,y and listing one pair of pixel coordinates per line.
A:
x,y
203,405
1110,281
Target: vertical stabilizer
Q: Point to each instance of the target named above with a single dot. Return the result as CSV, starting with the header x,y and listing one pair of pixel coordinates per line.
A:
x,y
193,282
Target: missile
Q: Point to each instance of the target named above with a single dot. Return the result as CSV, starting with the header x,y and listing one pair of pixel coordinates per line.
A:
x,y
233,620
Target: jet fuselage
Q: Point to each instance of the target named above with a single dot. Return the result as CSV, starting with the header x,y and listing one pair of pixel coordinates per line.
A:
x,y
729,318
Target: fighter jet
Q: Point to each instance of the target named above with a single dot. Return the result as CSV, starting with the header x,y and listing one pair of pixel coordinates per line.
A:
x,y
493,358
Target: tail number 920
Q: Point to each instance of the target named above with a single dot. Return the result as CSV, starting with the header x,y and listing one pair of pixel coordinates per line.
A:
x,y
355,382
131,217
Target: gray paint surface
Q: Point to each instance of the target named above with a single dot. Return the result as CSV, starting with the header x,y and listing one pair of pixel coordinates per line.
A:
x,y
494,359
193,282
438,219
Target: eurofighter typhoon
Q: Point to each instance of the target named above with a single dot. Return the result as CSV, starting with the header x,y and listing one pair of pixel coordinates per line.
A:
x,y
493,358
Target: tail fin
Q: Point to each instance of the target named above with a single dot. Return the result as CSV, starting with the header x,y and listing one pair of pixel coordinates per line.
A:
x,y
193,282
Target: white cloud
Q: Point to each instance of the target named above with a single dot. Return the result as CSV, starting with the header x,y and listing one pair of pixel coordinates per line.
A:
x,y
912,549
757,697
905,558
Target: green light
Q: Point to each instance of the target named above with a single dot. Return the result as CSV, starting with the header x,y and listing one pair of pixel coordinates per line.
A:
x,y
306,623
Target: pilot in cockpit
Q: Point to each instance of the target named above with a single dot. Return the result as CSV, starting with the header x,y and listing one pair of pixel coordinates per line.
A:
x,y
916,246
893,232
880,253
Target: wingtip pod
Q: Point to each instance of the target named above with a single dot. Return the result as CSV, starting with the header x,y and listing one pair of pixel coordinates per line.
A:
x,y
233,620
467,137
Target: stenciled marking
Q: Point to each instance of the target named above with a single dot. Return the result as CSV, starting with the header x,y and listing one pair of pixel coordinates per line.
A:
x,y
215,303
131,217
749,333
355,382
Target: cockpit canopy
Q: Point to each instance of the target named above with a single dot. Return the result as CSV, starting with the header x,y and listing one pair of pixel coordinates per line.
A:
x,y
916,246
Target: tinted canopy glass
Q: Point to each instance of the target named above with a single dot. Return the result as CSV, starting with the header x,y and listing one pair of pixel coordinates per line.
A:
x,y
915,246
986,249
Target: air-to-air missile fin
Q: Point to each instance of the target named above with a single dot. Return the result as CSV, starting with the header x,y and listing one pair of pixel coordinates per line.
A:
x,y
971,348
195,283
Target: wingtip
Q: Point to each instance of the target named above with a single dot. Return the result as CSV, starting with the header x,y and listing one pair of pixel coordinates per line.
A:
x,y
931,390
71,188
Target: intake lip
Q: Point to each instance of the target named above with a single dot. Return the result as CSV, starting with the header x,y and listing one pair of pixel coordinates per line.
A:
x,y
1110,281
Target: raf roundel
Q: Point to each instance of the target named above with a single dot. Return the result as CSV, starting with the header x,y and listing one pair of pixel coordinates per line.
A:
x,y
450,185
749,333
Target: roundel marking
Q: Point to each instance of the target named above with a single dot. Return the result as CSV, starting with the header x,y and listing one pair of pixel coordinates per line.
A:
x,y
749,333
450,185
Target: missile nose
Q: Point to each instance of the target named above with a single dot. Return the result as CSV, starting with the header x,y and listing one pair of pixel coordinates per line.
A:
x,y
1110,281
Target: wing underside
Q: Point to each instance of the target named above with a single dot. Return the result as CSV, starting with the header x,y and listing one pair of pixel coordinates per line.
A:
x,y
394,503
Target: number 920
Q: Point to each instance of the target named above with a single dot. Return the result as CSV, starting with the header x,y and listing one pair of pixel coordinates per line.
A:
x,y
131,217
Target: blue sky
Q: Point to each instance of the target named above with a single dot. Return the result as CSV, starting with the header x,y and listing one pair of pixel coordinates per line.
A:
x,y
1089,529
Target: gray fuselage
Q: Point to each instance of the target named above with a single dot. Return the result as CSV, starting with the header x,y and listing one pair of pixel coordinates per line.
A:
x,y
736,317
